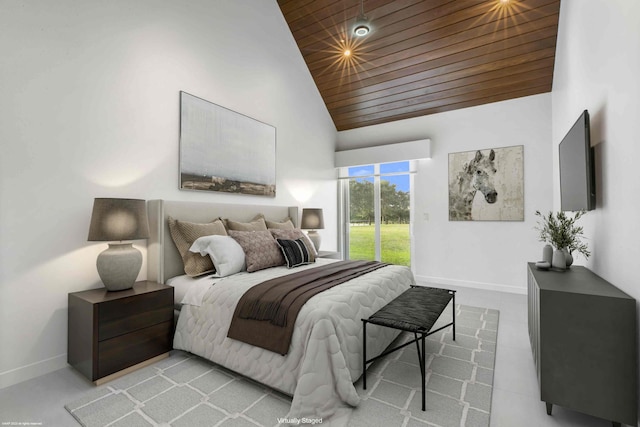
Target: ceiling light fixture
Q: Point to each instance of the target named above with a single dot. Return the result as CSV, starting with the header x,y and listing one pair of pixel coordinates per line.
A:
x,y
361,27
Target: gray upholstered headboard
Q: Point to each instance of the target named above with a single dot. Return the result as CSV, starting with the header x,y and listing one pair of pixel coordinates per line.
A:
x,y
163,259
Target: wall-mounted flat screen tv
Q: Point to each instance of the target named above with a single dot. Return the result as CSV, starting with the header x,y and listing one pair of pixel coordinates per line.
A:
x,y
577,174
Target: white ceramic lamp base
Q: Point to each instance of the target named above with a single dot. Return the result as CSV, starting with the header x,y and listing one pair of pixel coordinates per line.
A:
x,y
315,238
119,265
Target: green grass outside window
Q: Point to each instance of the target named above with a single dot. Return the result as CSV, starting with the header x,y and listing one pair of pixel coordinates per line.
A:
x,y
394,243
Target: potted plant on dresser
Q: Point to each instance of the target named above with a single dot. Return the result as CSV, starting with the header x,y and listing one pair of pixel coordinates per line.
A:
x,y
561,231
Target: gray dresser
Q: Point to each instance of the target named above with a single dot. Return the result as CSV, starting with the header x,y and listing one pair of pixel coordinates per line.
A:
x,y
584,341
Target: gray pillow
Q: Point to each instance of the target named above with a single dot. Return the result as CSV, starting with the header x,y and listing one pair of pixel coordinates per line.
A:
x,y
260,249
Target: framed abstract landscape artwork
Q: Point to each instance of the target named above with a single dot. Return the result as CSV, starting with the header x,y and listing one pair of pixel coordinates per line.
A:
x,y
487,185
222,150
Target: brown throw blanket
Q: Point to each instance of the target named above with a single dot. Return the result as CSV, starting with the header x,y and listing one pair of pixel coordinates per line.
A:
x,y
266,313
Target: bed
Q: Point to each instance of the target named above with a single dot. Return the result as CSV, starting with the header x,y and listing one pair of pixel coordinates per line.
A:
x,y
325,355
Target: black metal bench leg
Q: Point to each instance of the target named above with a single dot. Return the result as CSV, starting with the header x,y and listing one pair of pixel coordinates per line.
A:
x,y
453,312
422,369
415,335
442,298
364,354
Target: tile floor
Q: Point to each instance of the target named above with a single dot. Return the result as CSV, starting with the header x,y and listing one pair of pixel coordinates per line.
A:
x,y
516,397
516,401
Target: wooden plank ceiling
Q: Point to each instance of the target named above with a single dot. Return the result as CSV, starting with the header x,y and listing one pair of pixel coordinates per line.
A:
x,y
423,56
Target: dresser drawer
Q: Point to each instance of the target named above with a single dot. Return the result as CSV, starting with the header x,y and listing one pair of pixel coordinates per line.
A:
x,y
131,314
130,349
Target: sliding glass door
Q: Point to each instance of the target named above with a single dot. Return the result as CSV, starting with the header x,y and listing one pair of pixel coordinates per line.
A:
x,y
378,209
395,213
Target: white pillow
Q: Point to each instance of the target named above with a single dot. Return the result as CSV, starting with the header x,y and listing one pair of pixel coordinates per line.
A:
x,y
227,255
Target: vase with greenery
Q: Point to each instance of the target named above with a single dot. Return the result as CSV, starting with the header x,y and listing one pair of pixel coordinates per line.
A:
x,y
560,230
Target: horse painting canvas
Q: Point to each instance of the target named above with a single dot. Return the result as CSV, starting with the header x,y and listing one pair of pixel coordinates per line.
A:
x,y
487,185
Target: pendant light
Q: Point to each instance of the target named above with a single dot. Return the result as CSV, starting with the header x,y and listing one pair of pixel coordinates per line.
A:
x,y
361,27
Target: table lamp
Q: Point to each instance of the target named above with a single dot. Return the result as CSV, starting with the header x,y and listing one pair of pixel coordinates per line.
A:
x,y
312,220
118,220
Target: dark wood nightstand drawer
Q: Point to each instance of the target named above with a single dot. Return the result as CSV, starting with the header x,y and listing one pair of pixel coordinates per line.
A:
x,y
131,314
127,350
111,333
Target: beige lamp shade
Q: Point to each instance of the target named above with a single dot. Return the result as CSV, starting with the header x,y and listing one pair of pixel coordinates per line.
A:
x,y
119,219
313,220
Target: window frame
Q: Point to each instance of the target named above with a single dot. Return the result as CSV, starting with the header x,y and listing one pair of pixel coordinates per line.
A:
x,y
344,203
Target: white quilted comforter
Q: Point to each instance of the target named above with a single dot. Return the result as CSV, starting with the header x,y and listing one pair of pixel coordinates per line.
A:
x,y
325,357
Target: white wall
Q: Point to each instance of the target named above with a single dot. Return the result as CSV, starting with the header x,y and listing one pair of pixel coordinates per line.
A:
x,y
598,69
488,255
89,107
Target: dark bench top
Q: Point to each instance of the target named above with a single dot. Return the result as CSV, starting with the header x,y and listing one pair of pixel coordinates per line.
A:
x,y
415,310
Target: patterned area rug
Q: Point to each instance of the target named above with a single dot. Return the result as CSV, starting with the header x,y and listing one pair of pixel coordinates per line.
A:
x,y
459,377
185,390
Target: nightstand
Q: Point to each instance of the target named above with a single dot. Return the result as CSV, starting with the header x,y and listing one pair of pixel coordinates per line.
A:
x,y
113,333
329,254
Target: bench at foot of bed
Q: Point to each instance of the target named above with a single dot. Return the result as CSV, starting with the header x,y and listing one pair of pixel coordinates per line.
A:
x,y
416,310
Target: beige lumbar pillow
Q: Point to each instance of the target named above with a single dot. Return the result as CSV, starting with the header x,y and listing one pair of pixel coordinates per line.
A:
x,y
256,224
184,234
285,224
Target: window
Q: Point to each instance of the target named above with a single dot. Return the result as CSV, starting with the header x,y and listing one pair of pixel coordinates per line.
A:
x,y
376,206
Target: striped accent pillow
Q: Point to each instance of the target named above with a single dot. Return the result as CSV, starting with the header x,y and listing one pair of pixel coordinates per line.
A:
x,y
295,252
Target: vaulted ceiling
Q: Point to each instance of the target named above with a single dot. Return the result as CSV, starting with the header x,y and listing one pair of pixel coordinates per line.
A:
x,y
423,56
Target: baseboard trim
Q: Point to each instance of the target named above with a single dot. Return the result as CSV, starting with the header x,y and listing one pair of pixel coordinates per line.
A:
x,y
32,370
426,280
